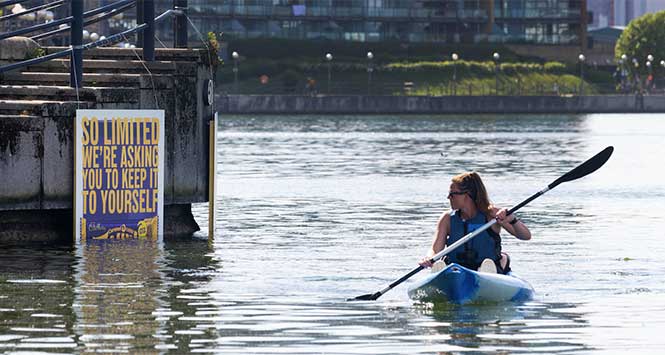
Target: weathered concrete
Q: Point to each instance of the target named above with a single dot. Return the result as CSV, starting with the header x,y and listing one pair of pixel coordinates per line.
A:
x,y
338,104
17,48
36,135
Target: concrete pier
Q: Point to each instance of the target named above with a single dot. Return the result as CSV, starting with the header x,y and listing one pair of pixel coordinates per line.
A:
x,y
37,110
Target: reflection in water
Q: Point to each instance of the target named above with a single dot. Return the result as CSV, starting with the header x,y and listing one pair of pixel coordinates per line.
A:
x,y
188,267
36,294
510,328
117,301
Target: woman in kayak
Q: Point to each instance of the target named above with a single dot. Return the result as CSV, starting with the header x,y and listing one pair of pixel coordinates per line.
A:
x,y
471,208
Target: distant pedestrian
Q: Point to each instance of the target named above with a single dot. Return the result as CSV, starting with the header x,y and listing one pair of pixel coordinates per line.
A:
x,y
310,87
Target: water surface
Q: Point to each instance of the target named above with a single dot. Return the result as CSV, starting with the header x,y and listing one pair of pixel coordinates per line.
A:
x,y
315,209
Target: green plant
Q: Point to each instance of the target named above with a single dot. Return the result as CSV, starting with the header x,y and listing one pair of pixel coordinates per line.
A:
x,y
36,53
643,36
213,48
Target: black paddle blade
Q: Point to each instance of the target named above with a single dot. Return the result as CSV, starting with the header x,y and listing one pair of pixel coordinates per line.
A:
x,y
594,163
367,297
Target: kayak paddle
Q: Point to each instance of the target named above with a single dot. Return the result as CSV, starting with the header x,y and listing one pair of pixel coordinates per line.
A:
x,y
586,168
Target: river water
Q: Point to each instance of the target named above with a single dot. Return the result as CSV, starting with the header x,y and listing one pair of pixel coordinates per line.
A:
x,y
313,210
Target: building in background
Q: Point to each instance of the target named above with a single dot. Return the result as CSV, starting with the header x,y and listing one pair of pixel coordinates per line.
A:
x,y
612,13
445,21
548,25
609,19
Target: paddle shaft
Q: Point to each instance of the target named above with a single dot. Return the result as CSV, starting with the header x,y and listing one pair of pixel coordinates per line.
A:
x,y
586,168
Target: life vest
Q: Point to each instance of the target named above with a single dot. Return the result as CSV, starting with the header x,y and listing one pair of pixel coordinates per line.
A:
x,y
486,245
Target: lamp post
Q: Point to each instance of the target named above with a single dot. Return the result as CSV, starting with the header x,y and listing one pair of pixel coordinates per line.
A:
x,y
636,77
624,73
454,57
329,59
662,64
619,72
235,56
650,70
649,79
370,69
496,58
581,58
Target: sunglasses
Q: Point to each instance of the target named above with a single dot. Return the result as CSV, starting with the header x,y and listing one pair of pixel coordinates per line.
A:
x,y
452,193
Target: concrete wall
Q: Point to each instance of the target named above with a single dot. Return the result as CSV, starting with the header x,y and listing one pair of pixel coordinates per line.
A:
x,y
36,143
265,104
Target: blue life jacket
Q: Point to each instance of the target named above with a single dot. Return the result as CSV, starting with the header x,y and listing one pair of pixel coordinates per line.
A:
x,y
486,245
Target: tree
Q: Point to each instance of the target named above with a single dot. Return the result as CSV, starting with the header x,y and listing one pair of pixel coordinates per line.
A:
x,y
644,35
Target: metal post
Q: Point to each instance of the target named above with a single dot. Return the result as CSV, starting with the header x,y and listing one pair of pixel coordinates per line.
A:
x,y
149,35
140,18
649,78
235,57
370,69
581,58
76,41
180,24
329,59
496,79
454,57
662,64
636,77
582,78
329,77
496,58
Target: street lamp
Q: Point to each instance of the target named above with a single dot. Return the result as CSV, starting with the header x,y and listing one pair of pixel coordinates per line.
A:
x,y
620,73
235,56
370,69
455,57
649,80
329,58
496,58
581,58
624,72
662,64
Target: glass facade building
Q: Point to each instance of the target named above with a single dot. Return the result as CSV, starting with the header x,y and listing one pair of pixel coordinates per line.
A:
x,y
447,21
443,21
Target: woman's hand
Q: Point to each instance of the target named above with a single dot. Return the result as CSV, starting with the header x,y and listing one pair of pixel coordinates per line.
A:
x,y
426,262
502,218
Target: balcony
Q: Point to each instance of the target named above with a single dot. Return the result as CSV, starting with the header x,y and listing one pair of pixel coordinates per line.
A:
x,y
335,12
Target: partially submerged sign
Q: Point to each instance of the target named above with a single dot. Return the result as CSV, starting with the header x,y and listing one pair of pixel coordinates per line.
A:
x,y
119,176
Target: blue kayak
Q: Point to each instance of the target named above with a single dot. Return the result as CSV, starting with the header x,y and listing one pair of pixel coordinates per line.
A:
x,y
457,284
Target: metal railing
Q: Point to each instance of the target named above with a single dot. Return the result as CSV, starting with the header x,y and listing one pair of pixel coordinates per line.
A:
x,y
76,21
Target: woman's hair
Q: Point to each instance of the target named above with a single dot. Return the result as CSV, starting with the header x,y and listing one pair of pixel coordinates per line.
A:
x,y
472,184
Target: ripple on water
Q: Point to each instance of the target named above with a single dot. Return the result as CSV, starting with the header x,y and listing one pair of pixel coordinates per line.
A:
x,y
314,210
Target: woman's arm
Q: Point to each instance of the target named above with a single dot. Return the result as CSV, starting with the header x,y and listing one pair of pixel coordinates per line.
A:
x,y
439,238
511,224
